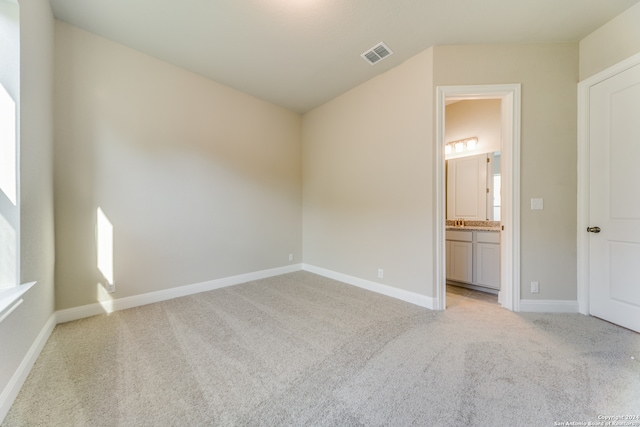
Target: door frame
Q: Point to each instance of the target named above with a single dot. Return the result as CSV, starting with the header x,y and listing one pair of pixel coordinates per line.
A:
x,y
584,88
509,94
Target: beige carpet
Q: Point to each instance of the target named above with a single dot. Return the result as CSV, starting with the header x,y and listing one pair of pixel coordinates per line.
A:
x,y
300,349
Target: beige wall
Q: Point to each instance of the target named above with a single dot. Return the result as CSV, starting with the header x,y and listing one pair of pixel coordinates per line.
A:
x,y
198,180
368,179
479,118
368,167
613,42
20,329
549,75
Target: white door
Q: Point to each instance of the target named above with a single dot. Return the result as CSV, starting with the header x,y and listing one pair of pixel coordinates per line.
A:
x,y
488,265
487,255
461,261
614,204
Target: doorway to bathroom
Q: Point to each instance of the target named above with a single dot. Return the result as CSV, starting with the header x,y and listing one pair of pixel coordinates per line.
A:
x,y
506,235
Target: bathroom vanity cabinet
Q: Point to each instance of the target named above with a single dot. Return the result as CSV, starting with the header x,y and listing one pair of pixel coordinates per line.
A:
x,y
473,257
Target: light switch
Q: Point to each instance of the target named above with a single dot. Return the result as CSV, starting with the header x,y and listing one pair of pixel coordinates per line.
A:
x,y
537,204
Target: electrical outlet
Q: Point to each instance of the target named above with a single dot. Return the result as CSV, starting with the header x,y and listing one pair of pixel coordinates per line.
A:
x,y
290,257
111,287
380,273
535,287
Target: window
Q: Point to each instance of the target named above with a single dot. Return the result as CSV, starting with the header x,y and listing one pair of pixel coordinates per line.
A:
x,y
496,197
9,164
497,190
9,218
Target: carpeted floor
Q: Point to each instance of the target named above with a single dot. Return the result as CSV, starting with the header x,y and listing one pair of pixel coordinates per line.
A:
x,y
300,349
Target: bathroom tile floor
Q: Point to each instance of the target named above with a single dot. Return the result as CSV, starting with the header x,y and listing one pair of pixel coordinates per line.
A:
x,y
457,295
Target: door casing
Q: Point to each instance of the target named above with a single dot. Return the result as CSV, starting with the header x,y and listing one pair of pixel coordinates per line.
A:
x,y
509,94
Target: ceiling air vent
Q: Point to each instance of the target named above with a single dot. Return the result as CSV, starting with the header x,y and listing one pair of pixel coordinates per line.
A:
x,y
377,53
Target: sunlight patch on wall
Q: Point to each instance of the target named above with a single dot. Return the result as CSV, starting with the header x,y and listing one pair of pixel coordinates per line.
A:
x,y
105,299
104,246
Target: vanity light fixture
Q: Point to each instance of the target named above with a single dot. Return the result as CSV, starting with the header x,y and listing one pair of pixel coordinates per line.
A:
x,y
461,145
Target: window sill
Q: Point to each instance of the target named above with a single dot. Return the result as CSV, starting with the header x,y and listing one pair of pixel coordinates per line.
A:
x,y
8,298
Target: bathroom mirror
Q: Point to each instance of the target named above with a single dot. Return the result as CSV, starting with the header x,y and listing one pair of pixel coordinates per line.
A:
x,y
473,187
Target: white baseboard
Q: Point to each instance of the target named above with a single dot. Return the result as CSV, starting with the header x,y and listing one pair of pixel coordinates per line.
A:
x,y
81,312
548,306
390,291
12,389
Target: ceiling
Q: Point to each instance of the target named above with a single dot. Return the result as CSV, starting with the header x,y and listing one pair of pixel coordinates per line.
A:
x,y
300,54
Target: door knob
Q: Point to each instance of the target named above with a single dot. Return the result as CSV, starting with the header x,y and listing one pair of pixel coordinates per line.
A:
x,y
593,229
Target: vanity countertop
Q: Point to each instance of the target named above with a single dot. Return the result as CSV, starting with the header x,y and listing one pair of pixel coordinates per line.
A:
x,y
474,225
473,228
